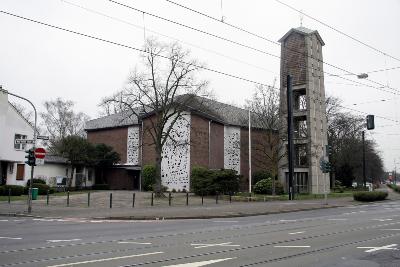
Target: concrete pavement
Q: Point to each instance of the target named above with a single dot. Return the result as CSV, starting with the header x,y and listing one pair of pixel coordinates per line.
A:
x,y
122,207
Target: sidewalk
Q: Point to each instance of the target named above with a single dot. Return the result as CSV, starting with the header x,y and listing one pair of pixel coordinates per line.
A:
x,y
122,207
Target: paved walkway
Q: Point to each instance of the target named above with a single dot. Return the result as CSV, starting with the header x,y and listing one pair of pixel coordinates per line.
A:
x,y
122,206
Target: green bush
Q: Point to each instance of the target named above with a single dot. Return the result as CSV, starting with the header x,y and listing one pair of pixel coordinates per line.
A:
x,y
16,190
265,187
35,181
260,175
149,177
42,188
394,187
370,196
2,190
100,187
209,182
338,187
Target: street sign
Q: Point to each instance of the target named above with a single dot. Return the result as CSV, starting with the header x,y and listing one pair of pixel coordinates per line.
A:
x,y
24,141
43,137
39,161
40,153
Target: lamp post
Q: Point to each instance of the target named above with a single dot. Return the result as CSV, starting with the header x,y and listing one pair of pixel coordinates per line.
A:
x,y
34,144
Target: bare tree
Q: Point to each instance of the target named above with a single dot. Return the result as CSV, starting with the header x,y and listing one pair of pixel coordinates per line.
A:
x,y
160,92
264,106
60,120
27,115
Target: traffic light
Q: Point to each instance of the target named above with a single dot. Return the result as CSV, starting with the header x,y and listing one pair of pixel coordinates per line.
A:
x,y
328,150
370,122
325,166
31,161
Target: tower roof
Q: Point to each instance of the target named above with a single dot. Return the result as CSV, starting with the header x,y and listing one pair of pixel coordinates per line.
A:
x,y
303,31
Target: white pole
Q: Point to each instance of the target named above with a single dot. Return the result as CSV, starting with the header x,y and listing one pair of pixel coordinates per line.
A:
x,y
249,151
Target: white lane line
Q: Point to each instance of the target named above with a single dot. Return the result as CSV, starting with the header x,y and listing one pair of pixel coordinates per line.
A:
x,y
63,240
131,242
296,233
373,249
338,219
12,238
3,220
389,229
292,246
288,220
225,221
19,220
227,244
106,259
199,263
382,220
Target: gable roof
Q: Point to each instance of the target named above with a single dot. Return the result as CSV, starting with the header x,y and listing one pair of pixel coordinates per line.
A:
x,y
205,107
20,114
303,31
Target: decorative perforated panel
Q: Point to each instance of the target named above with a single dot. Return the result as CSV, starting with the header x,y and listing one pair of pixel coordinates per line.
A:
x,y
132,151
175,164
232,148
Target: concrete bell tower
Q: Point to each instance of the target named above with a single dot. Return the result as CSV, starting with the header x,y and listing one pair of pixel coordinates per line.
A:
x,y
301,57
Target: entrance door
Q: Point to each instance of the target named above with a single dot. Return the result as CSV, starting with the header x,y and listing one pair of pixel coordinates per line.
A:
x,y
3,172
136,179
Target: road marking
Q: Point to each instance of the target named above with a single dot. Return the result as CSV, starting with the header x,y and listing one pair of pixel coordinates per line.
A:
x,y
292,246
389,229
295,233
382,220
3,220
63,240
106,259
12,238
373,249
19,220
227,244
199,263
339,219
225,221
288,220
131,242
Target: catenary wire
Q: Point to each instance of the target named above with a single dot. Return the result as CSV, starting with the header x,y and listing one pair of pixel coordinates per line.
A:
x,y
269,40
144,51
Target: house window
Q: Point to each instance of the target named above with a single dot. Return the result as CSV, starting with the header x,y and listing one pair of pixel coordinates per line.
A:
x,y
90,175
20,172
300,155
19,146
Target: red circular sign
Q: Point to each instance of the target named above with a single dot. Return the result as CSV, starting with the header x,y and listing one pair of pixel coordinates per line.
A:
x,y
40,153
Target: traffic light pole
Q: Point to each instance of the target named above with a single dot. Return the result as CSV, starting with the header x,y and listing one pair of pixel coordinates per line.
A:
x,y
363,159
290,135
34,145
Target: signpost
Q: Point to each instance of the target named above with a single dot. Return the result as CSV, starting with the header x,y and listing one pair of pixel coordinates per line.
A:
x,y
43,137
24,141
40,153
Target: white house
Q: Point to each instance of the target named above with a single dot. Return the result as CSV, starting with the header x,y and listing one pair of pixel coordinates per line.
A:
x,y
13,169
13,125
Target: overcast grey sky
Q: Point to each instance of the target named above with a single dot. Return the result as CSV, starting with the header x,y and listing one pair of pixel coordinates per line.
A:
x,y
42,63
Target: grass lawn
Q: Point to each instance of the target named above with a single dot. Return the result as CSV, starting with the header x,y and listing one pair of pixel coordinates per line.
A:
x,y
257,197
58,194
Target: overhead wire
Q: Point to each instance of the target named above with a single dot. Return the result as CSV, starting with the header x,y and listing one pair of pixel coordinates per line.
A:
x,y
165,57
263,38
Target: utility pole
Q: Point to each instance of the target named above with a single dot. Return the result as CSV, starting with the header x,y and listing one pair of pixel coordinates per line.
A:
x,y
290,135
34,145
250,151
363,160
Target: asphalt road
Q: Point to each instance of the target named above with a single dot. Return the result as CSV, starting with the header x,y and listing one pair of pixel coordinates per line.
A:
x,y
367,235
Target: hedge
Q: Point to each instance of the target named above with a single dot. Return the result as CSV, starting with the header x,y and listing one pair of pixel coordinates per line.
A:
x,y
370,196
394,187
42,188
35,181
16,190
209,182
265,187
149,177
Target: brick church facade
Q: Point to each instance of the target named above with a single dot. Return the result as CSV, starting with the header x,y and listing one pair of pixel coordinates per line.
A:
x,y
212,135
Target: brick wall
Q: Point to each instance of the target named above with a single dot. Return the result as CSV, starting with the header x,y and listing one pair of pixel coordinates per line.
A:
x,y
199,141
294,59
217,146
116,138
149,152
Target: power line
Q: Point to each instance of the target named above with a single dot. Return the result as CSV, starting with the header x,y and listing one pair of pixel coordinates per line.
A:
x,y
253,34
374,71
164,35
144,51
129,47
338,31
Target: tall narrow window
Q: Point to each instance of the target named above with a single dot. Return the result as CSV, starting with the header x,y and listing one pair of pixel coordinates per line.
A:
x,y
19,146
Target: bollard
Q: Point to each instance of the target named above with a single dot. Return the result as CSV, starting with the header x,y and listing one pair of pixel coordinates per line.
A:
x,y
110,200
169,198
67,198
152,199
88,199
202,198
47,197
9,195
216,198
133,200
187,198
230,197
